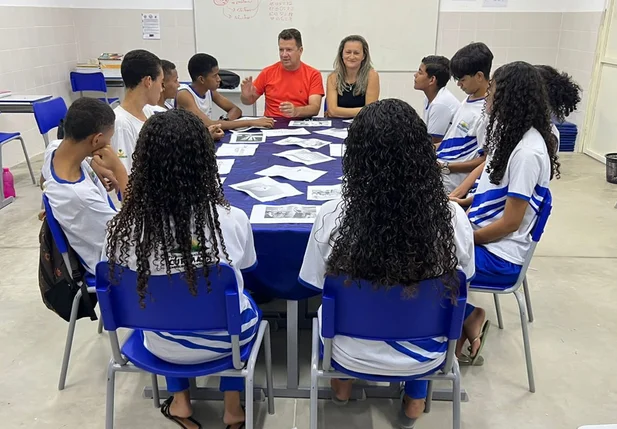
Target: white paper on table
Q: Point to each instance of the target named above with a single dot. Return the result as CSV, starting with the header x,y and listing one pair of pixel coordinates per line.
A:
x,y
225,165
223,180
281,132
339,133
348,121
304,156
337,149
301,174
309,123
237,149
247,138
323,193
245,129
266,189
305,143
291,213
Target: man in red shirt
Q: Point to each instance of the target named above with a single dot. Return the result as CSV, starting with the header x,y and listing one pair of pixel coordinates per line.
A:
x,y
293,89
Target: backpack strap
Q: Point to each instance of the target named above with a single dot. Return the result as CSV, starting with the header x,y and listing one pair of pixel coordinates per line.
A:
x,y
76,279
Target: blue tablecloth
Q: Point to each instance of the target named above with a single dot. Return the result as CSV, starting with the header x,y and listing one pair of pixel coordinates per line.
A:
x,y
280,247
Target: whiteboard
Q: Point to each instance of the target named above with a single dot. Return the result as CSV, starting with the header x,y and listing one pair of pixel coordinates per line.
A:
x,y
243,34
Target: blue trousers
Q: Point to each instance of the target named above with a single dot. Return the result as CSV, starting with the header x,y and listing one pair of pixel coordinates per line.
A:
x,y
228,384
416,389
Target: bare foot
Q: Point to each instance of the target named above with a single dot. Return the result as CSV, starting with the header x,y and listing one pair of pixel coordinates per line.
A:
x,y
341,388
413,407
182,410
234,414
473,328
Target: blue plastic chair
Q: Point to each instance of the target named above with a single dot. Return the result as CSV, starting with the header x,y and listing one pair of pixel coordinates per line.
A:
x,y
81,82
48,115
9,137
524,302
61,243
170,307
393,317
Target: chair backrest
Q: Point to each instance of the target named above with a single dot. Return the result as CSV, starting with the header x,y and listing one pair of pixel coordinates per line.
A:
x,y
49,113
361,311
169,305
545,212
88,82
54,227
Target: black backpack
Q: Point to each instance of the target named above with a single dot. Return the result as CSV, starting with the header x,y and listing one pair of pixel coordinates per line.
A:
x,y
57,287
229,80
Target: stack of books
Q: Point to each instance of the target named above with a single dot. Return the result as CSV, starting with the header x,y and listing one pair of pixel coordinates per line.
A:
x,y
110,64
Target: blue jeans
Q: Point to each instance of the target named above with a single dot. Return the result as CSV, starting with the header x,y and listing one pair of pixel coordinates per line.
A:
x,y
228,384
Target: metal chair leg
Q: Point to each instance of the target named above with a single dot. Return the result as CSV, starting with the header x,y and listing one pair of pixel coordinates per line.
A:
x,y
248,401
314,393
269,382
456,399
498,311
155,391
429,397
23,146
528,300
100,328
69,340
109,401
526,344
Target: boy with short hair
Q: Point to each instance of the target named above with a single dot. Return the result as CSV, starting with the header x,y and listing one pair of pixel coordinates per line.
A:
x,y
78,199
198,97
440,105
171,84
459,153
143,77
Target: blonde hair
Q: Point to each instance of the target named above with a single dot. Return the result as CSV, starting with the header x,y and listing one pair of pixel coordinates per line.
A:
x,y
340,70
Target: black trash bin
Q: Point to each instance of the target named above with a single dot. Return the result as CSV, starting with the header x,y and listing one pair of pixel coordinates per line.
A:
x,y
611,167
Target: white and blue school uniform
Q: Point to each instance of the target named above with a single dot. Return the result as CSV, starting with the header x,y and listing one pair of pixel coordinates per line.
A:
x,y
203,103
82,209
126,132
439,113
387,358
461,141
527,177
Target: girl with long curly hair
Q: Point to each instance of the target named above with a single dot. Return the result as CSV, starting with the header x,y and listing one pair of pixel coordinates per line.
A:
x,y
175,219
393,225
522,159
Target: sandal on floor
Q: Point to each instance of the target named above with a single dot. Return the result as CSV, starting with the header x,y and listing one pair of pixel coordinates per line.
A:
x,y
239,427
338,401
482,339
405,422
465,360
177,420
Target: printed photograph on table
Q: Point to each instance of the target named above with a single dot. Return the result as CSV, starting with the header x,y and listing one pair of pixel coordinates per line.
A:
x,y
305,156
291,213
323,193
266,189
247,138
282,132
337,150
309,123
339,133
224,165
237,150
305,143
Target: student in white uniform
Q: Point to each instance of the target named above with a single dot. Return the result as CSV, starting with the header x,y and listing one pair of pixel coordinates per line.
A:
x,y
143,77
189,202
167,100
521,162
440,105
202,92
395,182
459,153
78,199
564,95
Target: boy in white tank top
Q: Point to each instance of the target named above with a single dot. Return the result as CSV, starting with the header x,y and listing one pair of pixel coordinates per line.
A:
x,y
198,97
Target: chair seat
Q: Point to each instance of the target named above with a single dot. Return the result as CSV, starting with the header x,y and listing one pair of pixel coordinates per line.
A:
x,y
489,288
90,280
138,355
5,137
111,100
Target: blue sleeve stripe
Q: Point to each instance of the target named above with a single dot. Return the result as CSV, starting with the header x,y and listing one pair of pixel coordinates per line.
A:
x,y
308,285
519,196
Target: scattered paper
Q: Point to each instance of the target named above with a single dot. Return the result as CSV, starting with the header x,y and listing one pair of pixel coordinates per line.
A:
x,y
245,129
266,189
337,149
301,174
306,143
247,138
339,133
223,180
281,132
309,123
225,165
323,193
348,121
237,150
304,156
292,213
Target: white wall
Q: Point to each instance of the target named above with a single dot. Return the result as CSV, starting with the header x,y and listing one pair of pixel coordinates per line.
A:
x,y
525,6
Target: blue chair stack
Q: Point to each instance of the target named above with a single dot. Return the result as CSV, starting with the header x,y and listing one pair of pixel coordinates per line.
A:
x,y
170,307
48,115
393,317
81,82
567,133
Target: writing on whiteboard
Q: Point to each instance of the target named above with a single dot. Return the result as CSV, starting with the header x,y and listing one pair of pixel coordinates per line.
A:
x,y
239,9
281,10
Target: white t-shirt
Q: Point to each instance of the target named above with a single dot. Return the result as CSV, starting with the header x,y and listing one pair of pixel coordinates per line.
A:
x,y
127,130
527,176
203,103
82,209
438,114
461,141
51,147
238,237
379,357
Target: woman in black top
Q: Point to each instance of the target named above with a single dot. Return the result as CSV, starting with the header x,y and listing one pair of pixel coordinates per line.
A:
x,y
354,83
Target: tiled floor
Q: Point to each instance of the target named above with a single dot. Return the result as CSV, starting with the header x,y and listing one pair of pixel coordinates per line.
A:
x,y
573,283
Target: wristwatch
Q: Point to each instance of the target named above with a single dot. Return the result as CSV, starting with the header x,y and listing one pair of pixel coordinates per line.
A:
x,y
445,167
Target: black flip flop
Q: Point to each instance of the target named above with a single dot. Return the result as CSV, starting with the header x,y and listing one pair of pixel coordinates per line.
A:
x,y
241,426
176,420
